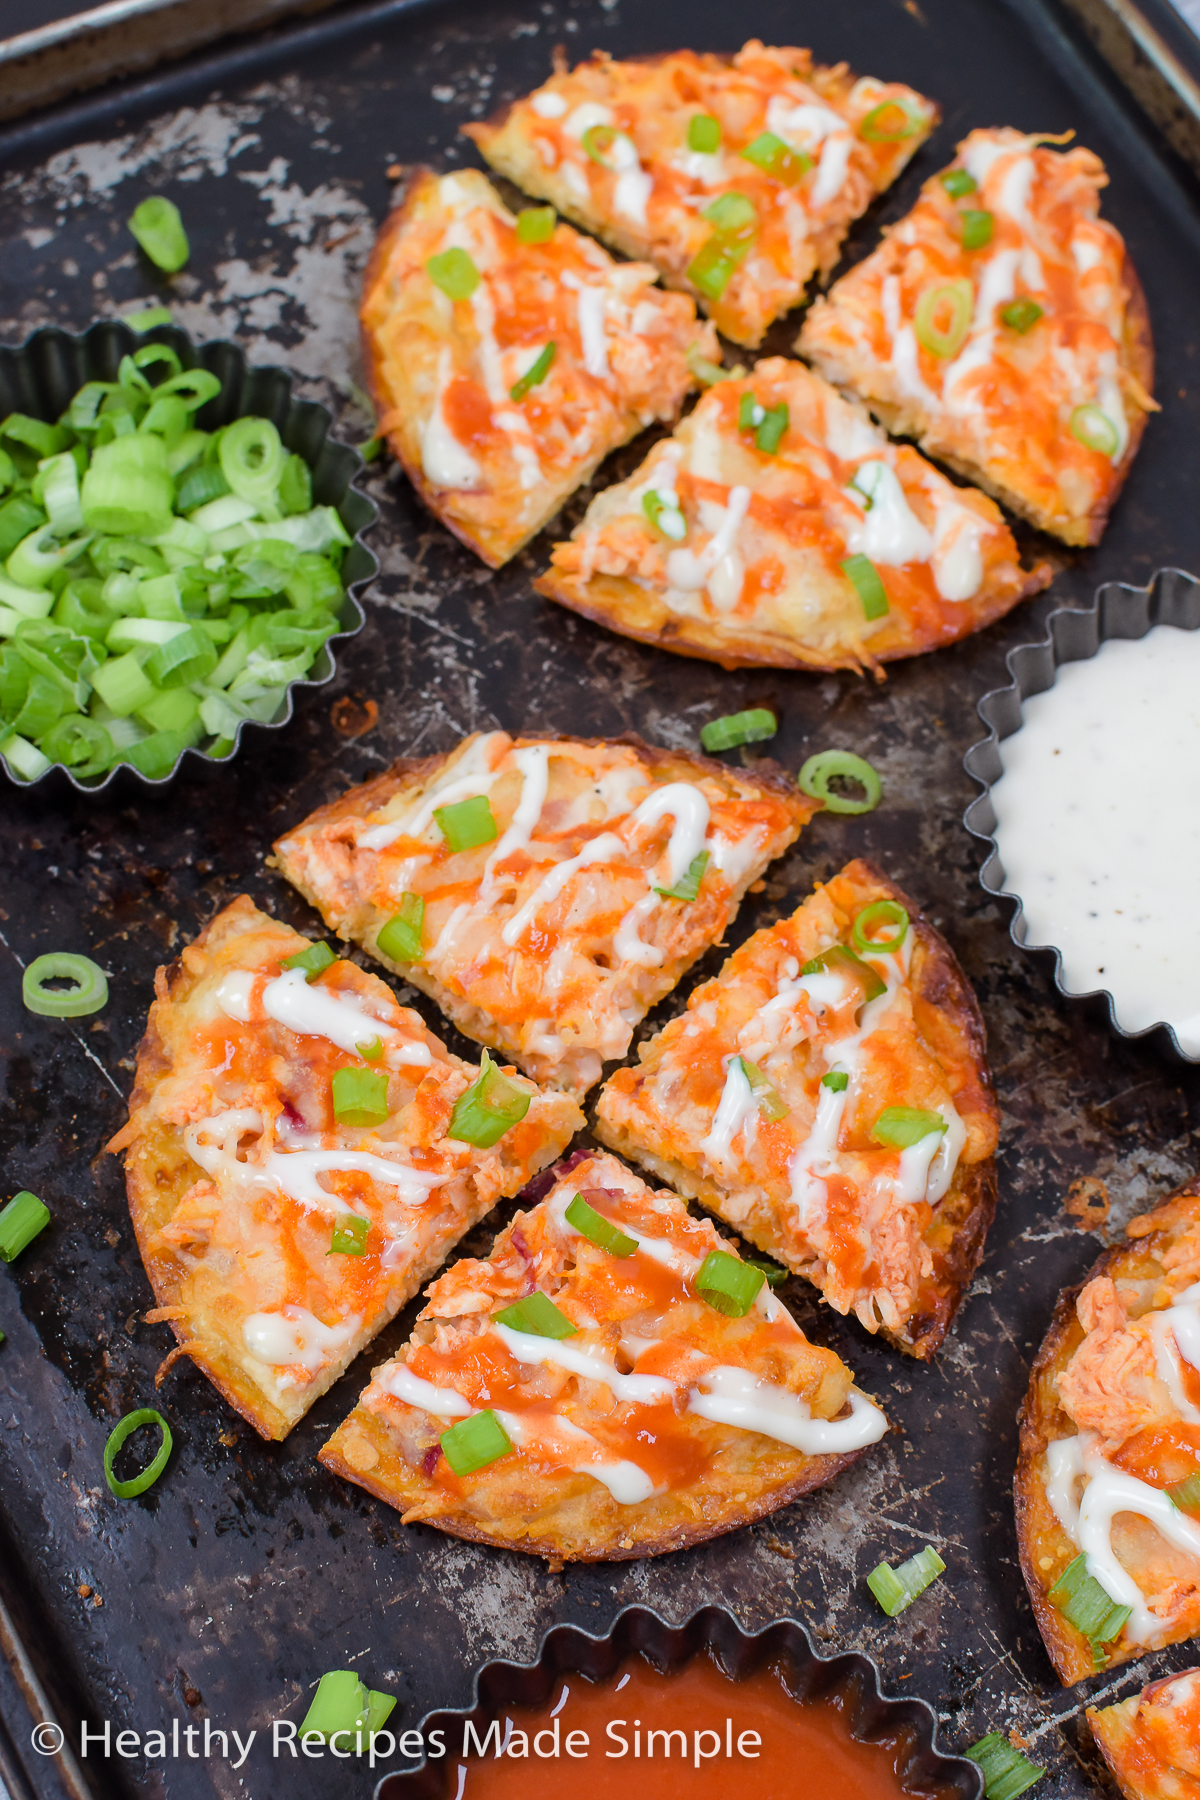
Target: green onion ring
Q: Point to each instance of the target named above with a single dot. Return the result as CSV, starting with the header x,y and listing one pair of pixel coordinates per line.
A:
x,y
89,994
825,766
959,297
129,1490
1094,430
875,131
880,912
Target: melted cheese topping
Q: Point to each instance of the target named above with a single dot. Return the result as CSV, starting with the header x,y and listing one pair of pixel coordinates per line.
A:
x,y
1005,400
618,1400
557,929
649,189
1153,1740
766,534
851,1214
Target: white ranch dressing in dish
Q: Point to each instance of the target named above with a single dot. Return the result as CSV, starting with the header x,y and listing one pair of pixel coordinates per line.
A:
x,y
1094,829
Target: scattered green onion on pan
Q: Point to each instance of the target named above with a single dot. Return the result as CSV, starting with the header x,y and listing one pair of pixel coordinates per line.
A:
x,y
87,994
899,1127
313,962
344,1707
400,939
879,913
147,318
833,765
20,1222
349,1236
1087,1604
704,134
158,228
728,1284
754,726
597,1229
861,572
535,374
371,450
688,885
475,1442
467,824
895,1589
129,1490
1021,315
958,183
1006,1773
491,1106
535,224
538,1315
359,1096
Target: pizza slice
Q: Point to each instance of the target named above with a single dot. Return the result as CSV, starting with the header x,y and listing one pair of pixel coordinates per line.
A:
x,y
614,1381
828,1096
779,526
738,176
546,892
301,1154
1151,1742
1002,325
508,355
1108,1479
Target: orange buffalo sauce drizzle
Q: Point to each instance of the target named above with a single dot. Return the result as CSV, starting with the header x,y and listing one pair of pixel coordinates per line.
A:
x,y
780,1745
1161,1456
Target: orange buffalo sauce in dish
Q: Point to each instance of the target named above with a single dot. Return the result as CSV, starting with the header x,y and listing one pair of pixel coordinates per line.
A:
x,y
692,1734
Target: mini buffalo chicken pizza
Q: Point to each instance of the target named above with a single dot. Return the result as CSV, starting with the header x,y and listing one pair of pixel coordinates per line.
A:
x,y
614,1381
508,355
779,526
546,892
1003,326
1108,1481
301,1154
738,176
1151,1741
828,1096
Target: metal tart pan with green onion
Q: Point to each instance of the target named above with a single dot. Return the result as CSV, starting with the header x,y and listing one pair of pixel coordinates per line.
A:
x,y
852,1679
133,638
1119,610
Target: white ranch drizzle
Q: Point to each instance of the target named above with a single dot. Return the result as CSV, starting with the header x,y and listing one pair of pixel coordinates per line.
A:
x,y
890,532
737,1112
736,1397
443,1403
606,848
295,1336
690,571
445,461
235,995
534,764
468,776
591,311
294,1172
636,1390
313,1012
628,1485
548,104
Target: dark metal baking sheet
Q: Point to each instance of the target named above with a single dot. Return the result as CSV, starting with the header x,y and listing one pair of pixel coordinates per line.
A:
x,y
223,1594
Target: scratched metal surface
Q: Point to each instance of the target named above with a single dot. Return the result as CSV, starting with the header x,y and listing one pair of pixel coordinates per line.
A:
x,y
225,1592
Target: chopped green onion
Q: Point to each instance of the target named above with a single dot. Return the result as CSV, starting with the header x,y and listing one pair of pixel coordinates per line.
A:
x,y
597,1229
20,1222
349,1234
534,375
129,1490
1094,430
688,885
535,224
704,134
876,129
371,1050
127,491
728,1284
476,1442
1087,1604
861,572
400,938
600,142
252,458
360,1096
344,1707
839,959
1186,1494
1021,315
190,655
750,413
899,1127
88,993
772,1273
665,515
837,1081
78,743
538,1315
24,757
466,824
370,451
491,1106
735,218
1006,1772
767,1097
880,912
314,961
123,685
834,765
953,298
958,183
732,211
777,159
158,228
896,1589
173,709
453,272
754,726
771,428
977,228
708,373
147,319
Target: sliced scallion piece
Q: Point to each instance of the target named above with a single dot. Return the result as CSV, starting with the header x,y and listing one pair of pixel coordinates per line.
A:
x,y
836,1080
664,514
371,1050
538,1315
597,1229
688,886
360,1096
839,959
492,1105
466,824
313,961
475,1443
1021,315
771,428
840,765
728,1284
158,228
1186,1494
343,1707
534,375
1094,430
895,1589
1087,1604
766,1095
867,582
735,219
958,183
1006,1772
704,134
899,1127
535,224
454,272
879,913
400,938
754,726
20,1222
943,317
777,159
773,1274
977,228
87,994
349,1236
129,1490
891,122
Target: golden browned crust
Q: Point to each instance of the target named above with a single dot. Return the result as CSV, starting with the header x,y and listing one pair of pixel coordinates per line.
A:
x,y
1045,1548
963,1217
